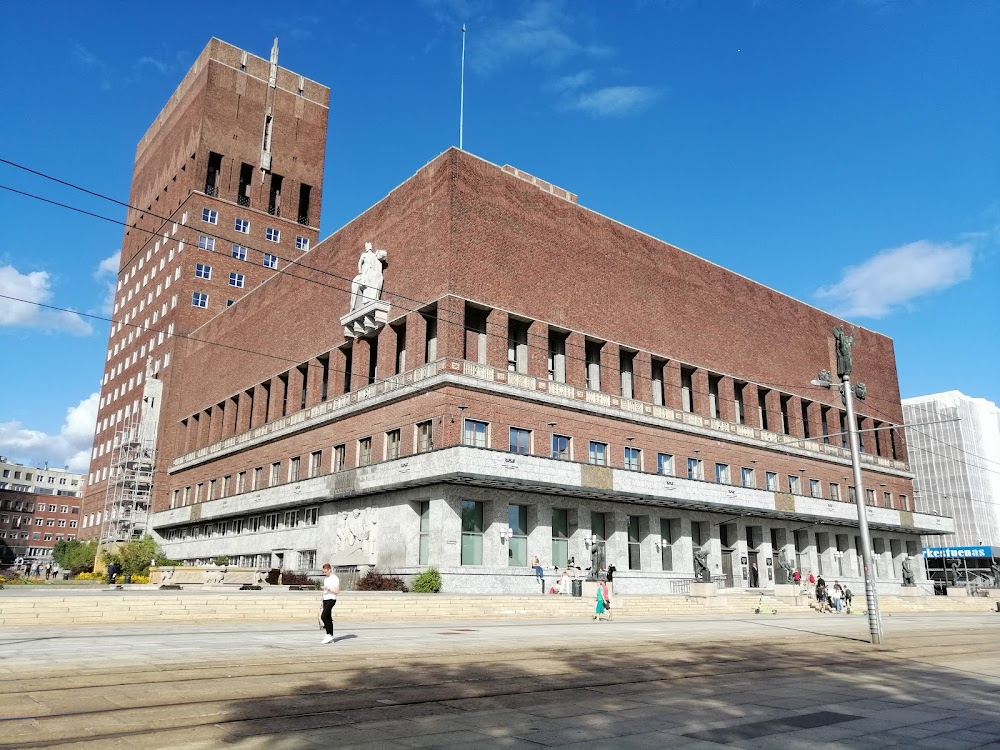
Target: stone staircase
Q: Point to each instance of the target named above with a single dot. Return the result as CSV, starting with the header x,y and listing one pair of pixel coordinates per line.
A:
x,y
113,607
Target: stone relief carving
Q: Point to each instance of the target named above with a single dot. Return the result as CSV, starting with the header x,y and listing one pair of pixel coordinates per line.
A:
x,y
356,532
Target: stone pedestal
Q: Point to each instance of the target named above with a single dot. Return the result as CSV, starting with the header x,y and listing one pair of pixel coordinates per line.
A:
x,y
913,591
957,591
787,590
704,589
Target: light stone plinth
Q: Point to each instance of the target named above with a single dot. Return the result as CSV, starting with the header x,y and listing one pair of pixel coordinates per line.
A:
x,y
957,591
790,590
366,320
704,589
912,591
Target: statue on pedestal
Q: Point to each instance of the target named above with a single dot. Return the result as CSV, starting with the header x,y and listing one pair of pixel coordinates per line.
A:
x,y
845,343
367,285
908,575
786,567
596,561
701,571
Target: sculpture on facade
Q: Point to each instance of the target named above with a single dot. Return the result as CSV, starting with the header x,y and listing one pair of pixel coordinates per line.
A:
x,y
908,575
367,285
701,571
786,567
845,343
356,531
596,560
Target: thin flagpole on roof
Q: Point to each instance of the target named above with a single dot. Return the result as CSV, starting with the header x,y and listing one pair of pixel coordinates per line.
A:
x,y
461,106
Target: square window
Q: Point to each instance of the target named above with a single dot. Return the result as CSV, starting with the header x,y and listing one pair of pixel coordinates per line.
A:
x,y
474,433
520,441
199,299
242,225
598,454
301,243
236,279
212,217
273,235
239,252
665,464
203,271
206,243
270,261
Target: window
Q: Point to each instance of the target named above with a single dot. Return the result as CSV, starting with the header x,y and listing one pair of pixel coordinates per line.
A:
x,y
815,488
206,243
852,494
472,532
272,234
665,464
203,271
424,548
392,444
270,522
270,261
239,252
903,503
242,225
626,364
557,356
517,345
520,441
301,243
886,499
633,459
424,442
307,559
288,521
599,530
517,545
199,299
339,457
275,473
722,473
634,547
598,453
212,217
668,528
230,302
315,461
560,537
696,468
293,469
749,477
311,516
869,497
592,351
241,482
236,279
793,484
771,480
474,433
834,491
364,451
687,388
562,447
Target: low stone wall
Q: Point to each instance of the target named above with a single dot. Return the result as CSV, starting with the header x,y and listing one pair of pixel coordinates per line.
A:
x,y
209,575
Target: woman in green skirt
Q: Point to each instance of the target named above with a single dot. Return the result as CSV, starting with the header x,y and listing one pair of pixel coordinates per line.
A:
x,y
600,603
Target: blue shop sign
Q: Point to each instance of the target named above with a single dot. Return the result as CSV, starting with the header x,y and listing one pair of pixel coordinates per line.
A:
x,y
935,553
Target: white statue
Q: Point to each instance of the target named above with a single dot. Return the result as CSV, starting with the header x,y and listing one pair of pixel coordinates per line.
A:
x,y
367,285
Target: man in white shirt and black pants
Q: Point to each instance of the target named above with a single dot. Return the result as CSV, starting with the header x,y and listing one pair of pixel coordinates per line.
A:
x,y
331,587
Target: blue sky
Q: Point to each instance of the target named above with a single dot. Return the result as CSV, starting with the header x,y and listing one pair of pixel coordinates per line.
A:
x,y
846,153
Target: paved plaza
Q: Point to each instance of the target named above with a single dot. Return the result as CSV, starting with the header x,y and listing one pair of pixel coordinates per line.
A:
x,y
808,681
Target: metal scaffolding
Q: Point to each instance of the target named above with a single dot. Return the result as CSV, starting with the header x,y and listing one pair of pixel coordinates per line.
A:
x,y
130,482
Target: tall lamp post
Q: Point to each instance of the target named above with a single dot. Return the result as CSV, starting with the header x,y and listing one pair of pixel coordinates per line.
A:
x,y
845,342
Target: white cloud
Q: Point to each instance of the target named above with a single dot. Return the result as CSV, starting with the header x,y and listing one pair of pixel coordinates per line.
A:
x,y
33,289
71,447
571,82
896,276
107,274
613,101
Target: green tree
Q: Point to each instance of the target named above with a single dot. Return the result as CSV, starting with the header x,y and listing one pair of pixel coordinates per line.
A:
x,y
75,556
137,556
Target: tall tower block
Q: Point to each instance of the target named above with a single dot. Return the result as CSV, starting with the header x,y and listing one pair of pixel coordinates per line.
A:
x,y
226,191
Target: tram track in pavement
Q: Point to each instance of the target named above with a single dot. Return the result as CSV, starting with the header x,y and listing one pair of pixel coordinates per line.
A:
x,y
325,691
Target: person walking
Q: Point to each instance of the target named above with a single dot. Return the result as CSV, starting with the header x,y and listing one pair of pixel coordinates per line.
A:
x,y
331,587
607,600
599,613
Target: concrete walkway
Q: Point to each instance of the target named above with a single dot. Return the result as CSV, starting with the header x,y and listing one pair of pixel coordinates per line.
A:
x,y
699,683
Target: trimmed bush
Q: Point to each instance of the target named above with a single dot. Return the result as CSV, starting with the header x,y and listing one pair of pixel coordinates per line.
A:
x,y
375,581
428,582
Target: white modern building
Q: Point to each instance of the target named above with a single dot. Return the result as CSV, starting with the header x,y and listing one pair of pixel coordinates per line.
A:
x,y
40,480
954,443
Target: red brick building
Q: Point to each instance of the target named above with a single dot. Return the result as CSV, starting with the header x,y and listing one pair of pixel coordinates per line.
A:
x,y
534,380
31,524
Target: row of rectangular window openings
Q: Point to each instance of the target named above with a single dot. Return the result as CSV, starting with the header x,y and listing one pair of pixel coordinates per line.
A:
x,y
240,251
37,535
475,435
306,560
36,490
26,521
288,519
38,477
517,361
200,299
242,226
204,271
29,507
